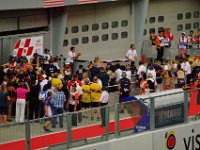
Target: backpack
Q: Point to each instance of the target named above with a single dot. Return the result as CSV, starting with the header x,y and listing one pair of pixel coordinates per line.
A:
x,y
125,87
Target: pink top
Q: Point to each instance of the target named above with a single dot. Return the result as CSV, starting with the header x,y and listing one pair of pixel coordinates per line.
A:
x,y
21,93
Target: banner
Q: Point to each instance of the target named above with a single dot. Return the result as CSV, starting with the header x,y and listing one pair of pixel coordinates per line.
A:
x,y
53,3
28,46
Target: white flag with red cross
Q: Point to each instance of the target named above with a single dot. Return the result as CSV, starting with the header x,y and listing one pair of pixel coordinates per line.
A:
x,y
28,46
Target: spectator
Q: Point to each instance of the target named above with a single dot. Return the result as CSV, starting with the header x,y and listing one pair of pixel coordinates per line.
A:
x,y
104,101
4,103
104,77
59,99
21,101
183,42
160,46
96,91
49,111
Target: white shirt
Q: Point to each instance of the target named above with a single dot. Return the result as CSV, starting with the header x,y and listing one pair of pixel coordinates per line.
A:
x,y
118,74
70,57
44,82
141,69
187,68
132,55
104,97
166,68
128,73
153,72
99,82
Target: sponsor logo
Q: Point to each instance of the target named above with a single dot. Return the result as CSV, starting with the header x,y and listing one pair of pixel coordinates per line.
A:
x,y
170,140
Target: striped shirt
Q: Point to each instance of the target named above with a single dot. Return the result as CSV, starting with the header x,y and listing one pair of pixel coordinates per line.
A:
x,y
59,99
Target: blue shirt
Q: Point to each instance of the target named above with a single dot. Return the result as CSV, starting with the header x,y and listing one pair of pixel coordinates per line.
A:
x,y
59,99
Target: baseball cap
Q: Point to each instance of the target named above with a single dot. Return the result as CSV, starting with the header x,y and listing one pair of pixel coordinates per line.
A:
x,y
183,32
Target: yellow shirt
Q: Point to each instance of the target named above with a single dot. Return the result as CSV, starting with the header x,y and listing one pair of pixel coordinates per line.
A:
x,y
56,83
86,94
96,91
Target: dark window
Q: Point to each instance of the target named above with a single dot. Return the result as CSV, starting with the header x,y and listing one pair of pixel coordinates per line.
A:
x,y
152,30
95,39
66,30
85,28
196,14
85,40
124,35
124,23
180,16
196,25
160,19
105,25
114,36
65,43
114,24
146,21
95,27
75,41
152,20
145,32
160,29
74,29
188,15
179,27
104,37
187,26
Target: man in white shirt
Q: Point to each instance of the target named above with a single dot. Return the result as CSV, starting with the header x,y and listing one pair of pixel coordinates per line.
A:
x,y
142,68
188,70
71,56
131,53
104,101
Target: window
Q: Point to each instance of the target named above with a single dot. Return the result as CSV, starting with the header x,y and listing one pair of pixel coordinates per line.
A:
x,y
180,16
160,19
187,26
179,27
114,24
105,25
145,32
95,39
114,36
65,43
124,23
152,30
95,27
124,35
188,15
146,21
196,14
74,29
66,30
85,28
196,25
152,20
160,29
75,41
104,37
85,40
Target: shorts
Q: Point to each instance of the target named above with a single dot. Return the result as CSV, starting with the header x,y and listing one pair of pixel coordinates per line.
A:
x,y
85,105
95,104
4,110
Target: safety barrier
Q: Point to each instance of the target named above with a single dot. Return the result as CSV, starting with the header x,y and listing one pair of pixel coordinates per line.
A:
x,y
150,112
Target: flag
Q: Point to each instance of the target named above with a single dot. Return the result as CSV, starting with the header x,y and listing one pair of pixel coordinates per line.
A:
x,y
28,46
87,1
53,3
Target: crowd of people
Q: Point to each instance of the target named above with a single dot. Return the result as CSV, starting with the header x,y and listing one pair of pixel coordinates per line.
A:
x,y
39,87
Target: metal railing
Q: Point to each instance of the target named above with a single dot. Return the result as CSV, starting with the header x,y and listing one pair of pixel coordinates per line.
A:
x,y
125,123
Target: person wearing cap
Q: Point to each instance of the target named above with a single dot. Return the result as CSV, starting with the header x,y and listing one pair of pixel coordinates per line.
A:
x,y
124,89
183,42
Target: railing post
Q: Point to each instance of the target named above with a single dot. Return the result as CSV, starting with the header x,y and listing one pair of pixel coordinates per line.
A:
x,y
186,92
107,121
152,114
27,135
69,130
117,121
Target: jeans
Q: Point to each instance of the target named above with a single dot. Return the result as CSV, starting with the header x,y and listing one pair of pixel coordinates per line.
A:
x,y
58,111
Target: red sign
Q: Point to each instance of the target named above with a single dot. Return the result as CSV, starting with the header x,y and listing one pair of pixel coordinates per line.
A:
x,y
53,3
